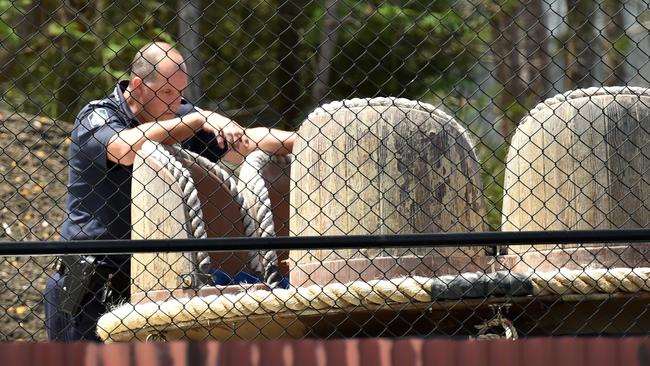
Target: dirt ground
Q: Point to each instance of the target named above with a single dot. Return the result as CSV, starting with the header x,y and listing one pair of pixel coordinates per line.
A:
x,y
33,176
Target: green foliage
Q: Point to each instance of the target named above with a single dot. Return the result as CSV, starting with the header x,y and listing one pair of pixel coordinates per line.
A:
x,y
75,51
624,45
414,49
490,147
493,161
418,49
402,50
7,33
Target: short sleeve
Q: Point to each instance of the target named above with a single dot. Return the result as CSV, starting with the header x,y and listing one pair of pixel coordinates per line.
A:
x,y
205,144
93,132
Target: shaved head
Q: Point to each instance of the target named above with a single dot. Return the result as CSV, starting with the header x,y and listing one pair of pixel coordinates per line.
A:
x,y
158,79
152,57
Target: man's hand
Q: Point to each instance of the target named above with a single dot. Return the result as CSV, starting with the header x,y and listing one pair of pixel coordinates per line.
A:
x,y
273,141
224,129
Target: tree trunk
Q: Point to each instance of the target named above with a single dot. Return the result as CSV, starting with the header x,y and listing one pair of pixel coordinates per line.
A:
x,y
330,27
522,60
533,53
579,55
506,60
286,74
614,38
66,94
26,25
189,14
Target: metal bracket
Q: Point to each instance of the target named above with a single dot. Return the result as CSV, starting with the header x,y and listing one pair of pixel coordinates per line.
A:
x,y
196,280
498,321
156,337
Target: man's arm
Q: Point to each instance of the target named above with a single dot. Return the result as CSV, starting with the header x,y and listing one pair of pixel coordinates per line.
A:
x,y
122,146
273,141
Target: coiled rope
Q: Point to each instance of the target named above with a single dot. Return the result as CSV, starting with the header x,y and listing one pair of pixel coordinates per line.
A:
x,y
253,186
168,155
124,321
195,225
612,91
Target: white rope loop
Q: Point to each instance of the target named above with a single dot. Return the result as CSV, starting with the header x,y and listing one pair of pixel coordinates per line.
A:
x,y
588,93
122,321
253,185
253,182
196,225
250,225
167,155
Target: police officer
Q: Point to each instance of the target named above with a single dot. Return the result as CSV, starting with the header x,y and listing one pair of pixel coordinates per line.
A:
x,y
105,138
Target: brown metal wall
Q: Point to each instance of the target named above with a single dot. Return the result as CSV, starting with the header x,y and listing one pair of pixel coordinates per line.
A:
x,y
375,352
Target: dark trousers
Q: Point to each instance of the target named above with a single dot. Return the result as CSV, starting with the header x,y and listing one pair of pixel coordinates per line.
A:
x,y
83,324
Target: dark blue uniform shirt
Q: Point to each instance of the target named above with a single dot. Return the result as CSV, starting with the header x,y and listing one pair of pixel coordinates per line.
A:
x,y
98,205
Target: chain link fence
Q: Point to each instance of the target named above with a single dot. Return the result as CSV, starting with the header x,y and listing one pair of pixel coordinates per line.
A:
x,y
315,119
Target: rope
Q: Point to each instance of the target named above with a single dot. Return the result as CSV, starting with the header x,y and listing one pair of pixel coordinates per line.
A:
x,y
588,93
270,260
253,186
196,226
250,226
124,320
166,155
401,103
252,182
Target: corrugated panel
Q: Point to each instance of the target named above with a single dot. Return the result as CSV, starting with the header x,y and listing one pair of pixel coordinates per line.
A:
x,y
353,352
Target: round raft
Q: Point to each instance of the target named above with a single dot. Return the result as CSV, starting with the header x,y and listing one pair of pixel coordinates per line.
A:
x,y
383,166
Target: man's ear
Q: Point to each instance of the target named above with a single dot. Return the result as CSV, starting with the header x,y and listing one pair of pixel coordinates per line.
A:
x,y
135,82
